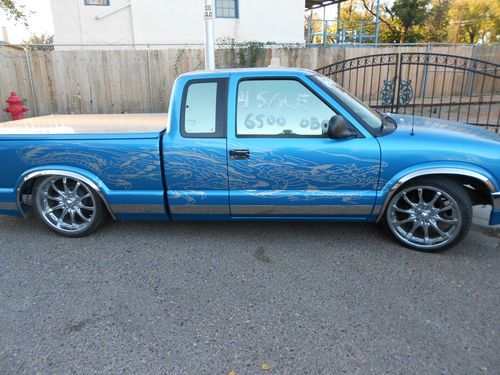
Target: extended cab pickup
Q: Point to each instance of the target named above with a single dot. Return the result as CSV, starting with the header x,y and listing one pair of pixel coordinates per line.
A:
x,y
253,144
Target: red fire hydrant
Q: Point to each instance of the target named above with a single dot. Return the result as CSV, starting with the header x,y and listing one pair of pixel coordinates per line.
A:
x,y
16,107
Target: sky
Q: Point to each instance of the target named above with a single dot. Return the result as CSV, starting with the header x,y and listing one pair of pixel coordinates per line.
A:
x,y
39,23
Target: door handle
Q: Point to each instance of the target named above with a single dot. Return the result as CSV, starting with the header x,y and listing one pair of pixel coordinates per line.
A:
x,y
239,154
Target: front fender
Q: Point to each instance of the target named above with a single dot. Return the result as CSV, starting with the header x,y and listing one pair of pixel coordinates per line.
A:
x,y
429,169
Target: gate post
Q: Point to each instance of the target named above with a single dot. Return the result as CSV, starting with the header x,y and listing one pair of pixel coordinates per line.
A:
x,y
397,77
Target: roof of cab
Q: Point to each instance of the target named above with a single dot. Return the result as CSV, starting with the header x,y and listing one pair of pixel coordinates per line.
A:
x,y
257,71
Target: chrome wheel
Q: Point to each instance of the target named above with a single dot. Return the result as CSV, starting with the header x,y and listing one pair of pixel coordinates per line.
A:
x,y
66,204
424,217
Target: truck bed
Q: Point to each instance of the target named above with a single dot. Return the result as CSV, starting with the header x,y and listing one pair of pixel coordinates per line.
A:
x,y
120,153
87,124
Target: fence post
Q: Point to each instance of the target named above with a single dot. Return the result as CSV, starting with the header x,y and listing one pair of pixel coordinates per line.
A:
x,y
469,73
309,21
30,77
426,72
150,81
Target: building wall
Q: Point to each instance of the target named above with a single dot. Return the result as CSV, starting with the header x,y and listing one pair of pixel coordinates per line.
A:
x,y
174,22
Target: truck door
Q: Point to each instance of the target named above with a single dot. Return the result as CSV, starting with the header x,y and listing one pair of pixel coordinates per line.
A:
x,y
195,150
281,165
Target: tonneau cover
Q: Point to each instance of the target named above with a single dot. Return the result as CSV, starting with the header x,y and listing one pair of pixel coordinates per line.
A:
x,y
87,124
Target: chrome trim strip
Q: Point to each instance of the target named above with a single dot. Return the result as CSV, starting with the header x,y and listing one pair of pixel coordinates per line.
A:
x,y
9,206
432,171
301,210
54,172
199,209
138,208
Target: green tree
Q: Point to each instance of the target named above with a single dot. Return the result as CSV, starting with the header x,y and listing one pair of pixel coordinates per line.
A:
x,y
314,21
408,13
40,43
13,10
474,20
437,23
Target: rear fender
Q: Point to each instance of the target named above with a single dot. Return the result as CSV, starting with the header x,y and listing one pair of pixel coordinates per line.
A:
x,y
57,170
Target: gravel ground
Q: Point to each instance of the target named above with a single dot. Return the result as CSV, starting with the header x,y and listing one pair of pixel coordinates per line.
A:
x,y
253,298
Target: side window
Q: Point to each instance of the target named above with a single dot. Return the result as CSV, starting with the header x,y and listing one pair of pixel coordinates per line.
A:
x,y
204,109
279,107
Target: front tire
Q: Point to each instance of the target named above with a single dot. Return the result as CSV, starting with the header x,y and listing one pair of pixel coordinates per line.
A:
x,y
429,215
68,206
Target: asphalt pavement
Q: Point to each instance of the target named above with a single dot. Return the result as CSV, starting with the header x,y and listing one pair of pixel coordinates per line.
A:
x,y
252,298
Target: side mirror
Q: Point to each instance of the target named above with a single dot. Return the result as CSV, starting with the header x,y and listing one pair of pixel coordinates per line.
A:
x,y
337,128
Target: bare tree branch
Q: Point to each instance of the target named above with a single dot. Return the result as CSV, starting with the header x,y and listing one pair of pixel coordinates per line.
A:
x,y
369,9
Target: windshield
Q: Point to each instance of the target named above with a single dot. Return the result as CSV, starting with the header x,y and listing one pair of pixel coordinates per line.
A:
x,y
369,116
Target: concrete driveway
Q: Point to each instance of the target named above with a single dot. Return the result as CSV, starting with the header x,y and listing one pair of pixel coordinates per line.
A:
x,y
253,298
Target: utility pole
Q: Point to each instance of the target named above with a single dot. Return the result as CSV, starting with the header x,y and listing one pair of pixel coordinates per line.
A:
x,y
208,8
377,23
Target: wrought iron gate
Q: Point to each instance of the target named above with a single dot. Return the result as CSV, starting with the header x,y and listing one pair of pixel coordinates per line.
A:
x,y
424,84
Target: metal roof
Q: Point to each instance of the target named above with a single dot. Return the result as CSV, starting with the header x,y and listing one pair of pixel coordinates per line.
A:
x,y
314,4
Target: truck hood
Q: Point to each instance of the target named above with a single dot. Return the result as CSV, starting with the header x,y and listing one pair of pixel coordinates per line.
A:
x,y
87,124
442,129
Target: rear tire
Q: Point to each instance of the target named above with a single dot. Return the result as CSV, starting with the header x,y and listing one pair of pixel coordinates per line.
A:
x,y
429,214
68,206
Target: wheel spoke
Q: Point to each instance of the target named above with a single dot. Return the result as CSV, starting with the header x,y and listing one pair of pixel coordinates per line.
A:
x,y
416,225
425,227
51,197
79,213
436,197
447,207
437,229
409,220
60,221
408,212
407,200
420,196
65,185
72,217
53,185
446,221
75,190
49,210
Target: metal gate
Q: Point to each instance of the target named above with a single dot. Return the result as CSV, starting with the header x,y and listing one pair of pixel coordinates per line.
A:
x,y
424,84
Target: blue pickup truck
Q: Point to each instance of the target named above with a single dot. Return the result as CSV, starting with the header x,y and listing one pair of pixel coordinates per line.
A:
x,y
253,144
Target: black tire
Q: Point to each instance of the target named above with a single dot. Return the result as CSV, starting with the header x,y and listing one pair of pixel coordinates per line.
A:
x,y
439,220
68,206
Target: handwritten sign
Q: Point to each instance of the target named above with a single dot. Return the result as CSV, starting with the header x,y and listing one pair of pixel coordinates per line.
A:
x,y
279,107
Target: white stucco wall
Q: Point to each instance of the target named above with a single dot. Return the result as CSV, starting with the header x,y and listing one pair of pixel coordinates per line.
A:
x,y
175,22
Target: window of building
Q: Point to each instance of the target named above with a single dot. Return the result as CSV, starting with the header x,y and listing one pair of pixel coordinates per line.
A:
x,y
97,2
226,8
279,108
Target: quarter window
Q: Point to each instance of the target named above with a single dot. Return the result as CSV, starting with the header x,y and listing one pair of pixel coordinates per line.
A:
x,y
204,106
280,108
201,104
226,8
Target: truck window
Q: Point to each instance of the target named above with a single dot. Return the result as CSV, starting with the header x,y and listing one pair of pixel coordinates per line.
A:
x,y
204,105
279,108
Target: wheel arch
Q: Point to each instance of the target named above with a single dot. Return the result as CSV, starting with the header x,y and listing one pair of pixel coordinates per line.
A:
x,y
27,179
482,183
